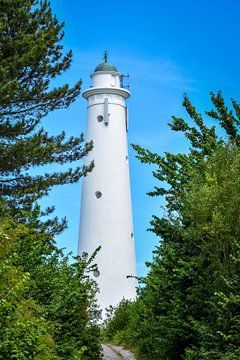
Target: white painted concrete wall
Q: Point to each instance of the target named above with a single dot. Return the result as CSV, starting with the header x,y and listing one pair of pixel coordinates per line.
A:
x,y
107,221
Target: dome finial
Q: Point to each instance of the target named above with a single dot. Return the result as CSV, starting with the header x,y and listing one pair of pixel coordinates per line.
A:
x,y
105,56
105,66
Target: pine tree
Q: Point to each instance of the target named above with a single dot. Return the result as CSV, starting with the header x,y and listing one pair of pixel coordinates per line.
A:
x,y
31,58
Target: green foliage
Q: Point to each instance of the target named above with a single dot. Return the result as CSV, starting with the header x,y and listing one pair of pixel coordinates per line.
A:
x,y
47,301
31,58
24,331
189,305
120,318
68,295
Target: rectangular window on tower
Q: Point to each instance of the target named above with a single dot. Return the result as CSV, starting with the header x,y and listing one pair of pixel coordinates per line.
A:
x,y
106,115
126,117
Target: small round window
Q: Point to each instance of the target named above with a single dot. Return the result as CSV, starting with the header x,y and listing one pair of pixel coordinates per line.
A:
x,y
96,273
98,194
131,235
99,118
126,158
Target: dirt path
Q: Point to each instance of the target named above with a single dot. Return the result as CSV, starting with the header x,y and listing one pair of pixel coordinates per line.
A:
x,y
112,352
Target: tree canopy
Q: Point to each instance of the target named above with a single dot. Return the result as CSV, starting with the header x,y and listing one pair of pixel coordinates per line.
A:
x,y
31,59
47,300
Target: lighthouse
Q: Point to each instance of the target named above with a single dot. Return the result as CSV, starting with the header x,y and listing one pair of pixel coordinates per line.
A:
x,y
106,211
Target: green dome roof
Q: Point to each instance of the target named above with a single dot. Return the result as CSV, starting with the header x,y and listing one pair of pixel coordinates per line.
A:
x,y
105,67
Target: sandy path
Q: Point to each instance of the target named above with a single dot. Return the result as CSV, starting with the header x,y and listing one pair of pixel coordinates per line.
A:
x,y
112,352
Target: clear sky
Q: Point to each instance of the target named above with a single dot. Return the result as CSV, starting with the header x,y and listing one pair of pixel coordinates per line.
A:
x,y
168,47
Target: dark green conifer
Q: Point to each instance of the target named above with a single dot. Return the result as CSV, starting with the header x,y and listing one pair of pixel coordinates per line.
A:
x,y
31,58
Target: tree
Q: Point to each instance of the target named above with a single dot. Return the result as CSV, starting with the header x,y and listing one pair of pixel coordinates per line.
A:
x,y
193,283
175,169
63,287
24,331
47,300
183,276
211,215
31,58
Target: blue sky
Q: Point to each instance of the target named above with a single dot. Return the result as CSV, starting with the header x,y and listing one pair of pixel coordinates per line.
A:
x,y
168,48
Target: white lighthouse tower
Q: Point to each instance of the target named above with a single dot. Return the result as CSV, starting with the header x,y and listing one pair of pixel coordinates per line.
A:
x,y
106,213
